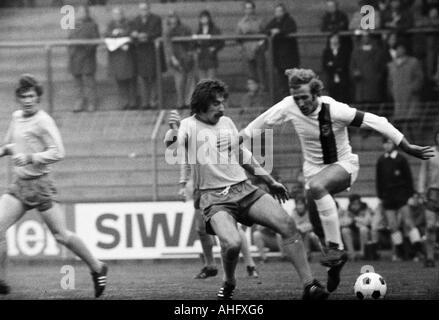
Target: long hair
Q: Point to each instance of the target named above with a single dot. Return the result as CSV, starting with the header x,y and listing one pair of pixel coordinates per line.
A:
x,y
205,13
205,94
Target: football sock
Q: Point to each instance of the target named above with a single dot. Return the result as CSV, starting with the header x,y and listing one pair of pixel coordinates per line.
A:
x,y
3,258
295,250
229,259
328,214
248,260
207,245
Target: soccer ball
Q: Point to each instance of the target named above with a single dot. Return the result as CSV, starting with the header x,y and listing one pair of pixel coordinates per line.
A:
x,y
370,285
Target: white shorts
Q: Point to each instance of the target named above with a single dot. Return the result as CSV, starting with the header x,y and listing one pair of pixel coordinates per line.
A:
x,y
351,164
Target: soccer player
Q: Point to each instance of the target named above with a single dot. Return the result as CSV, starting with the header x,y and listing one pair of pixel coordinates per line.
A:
x,y
429,188
34,142
227,197
329,165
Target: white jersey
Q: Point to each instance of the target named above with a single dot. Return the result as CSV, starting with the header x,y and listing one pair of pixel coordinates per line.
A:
x,y
323,134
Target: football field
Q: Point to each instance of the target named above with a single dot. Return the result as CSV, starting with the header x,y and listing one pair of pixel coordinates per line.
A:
x,y
173,279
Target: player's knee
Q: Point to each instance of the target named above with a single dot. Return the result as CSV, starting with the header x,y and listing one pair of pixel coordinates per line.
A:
x,y
316,189
288,228
232,246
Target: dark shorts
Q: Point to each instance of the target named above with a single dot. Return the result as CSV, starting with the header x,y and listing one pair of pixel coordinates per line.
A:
x,y
236,201
432,199
38,193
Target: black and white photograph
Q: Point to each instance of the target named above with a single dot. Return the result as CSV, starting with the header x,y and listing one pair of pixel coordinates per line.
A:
x,y
185,153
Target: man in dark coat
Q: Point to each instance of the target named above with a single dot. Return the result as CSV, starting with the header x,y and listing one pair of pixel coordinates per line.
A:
x,y
285,47
82,60
335,64
394,186
120,60
146,27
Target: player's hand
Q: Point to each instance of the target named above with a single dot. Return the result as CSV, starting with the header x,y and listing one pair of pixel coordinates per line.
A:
x,y
182,194
174,119
21,159
420,152
279,191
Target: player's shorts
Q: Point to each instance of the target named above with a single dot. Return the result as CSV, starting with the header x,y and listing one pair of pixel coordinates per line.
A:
x,y
351,164
38,192
236,200
196,197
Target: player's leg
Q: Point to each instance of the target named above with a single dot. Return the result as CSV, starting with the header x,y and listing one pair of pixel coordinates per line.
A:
x,y
225,227
430,217
245,250
54,219
11,210
209,269
267,212
412,232
396,235
348,237
364,239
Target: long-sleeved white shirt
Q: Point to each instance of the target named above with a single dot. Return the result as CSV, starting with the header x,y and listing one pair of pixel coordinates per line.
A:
x,y
38,136
323,134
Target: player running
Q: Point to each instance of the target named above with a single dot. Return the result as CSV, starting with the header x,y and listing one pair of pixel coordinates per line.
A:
x,y
34,142
329,165
227,197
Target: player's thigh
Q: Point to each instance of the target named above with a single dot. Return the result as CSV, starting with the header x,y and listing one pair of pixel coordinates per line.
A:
x,y
267,212
333,178
200,225
55,220
11,210
225,228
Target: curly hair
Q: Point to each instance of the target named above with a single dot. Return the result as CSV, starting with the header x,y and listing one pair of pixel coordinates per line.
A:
x,y
26,83
298,77
205,94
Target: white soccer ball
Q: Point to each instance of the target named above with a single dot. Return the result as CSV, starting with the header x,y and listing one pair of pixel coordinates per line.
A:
x,y
370,285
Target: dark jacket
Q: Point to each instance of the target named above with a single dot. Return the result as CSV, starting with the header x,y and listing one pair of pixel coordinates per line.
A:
x,y
394,182
120,61
285,49
82,58
182,51
336,68
144,50
208,59
333,22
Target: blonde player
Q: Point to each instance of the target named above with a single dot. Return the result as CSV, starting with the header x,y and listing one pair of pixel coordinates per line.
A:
x,y
329,165
227,196
34,142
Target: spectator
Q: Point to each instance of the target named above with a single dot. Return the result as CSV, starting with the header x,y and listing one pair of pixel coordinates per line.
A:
x,y
394,186
413,223
97,2
405,80
335,64
285,47
397,16
207,51
180,59
254,98
120,58
82,60
303,224
358,221
428,48
334,20
253,52
367,68
145,28
428,187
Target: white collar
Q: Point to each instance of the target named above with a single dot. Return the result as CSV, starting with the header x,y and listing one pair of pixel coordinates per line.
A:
x,y
392,154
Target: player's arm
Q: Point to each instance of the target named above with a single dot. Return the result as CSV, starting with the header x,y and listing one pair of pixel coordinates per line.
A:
x,y
185,170
360,119
172,134
423,174
251,165
7,148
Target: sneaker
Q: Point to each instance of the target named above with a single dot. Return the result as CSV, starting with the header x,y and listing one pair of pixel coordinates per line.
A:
x,y
4,287
429,263
252,272
100,280
334,259
315,291
226,291
207,272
